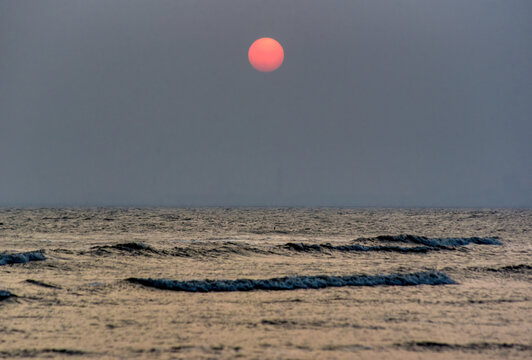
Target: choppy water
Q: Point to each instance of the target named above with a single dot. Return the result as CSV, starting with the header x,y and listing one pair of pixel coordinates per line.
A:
x,y
265,283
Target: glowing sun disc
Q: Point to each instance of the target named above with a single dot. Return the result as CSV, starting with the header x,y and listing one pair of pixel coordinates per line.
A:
x,y
266,54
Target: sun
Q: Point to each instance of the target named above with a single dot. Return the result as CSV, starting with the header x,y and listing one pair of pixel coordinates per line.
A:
x,y
266,54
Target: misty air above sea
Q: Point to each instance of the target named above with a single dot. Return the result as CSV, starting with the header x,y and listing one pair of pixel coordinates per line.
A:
x,y
265,283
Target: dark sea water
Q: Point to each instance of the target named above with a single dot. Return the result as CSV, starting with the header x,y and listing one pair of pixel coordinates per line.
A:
x,y
285,283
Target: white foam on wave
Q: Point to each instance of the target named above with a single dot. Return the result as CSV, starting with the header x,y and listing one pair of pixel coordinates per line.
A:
x,y
297,282
21,258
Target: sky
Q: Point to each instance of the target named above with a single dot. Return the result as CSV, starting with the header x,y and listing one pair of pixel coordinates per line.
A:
x,y
154,103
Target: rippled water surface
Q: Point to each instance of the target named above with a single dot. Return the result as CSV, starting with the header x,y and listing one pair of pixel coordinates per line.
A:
x,y
265,283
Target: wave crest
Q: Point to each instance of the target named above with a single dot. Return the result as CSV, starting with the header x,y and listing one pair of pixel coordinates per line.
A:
x,y
131,247
348,248
21,258
297,282
438,346
509,269
5,294
209,250
437,242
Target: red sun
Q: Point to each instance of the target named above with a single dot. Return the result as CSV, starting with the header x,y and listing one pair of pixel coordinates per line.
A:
x,y
266,54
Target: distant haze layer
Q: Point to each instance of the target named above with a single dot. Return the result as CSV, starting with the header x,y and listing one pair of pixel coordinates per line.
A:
x,y
154,103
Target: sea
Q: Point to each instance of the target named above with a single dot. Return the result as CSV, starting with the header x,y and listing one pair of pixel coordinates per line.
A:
x,y
265,283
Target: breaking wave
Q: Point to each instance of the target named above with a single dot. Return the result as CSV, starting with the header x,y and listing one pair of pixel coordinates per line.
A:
x,y
427,244
421,244
43,284
21,258
32,353
437,346
5,294
347,248
205,250
297,282
511,269
437,242
131,247
228,248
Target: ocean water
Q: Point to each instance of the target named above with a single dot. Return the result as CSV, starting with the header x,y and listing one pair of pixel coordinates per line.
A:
x,y
214,283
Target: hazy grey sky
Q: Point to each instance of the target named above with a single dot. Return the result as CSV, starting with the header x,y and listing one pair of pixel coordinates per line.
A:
x,y
378,103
